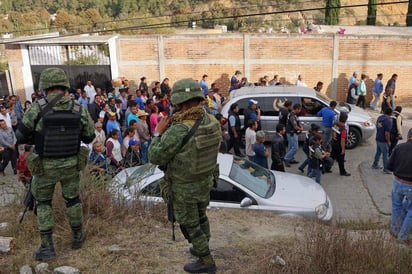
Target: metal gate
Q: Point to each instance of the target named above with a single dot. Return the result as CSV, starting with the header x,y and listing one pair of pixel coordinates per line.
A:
x,y
80,62
4,90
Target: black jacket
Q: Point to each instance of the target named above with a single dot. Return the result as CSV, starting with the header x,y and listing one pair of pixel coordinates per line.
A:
x,y
94,110
400,161
278,149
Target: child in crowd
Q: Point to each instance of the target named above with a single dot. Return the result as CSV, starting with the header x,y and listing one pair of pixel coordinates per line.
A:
x,y
316,156
23,172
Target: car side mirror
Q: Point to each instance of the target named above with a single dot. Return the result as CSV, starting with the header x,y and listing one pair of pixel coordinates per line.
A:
x,y
246,202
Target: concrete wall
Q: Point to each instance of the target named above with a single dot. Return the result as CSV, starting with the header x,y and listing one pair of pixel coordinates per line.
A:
x,y
327,58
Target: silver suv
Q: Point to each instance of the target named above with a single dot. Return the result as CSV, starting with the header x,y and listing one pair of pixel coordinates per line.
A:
x,y
271,99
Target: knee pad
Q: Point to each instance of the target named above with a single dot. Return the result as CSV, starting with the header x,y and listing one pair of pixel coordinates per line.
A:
x,y
72,202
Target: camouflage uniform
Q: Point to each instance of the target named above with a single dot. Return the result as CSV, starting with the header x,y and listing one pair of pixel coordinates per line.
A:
x,y
48,171
189,170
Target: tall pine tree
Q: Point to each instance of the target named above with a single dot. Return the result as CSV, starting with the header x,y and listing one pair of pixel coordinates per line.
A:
x,y
332,12
409,14
371,20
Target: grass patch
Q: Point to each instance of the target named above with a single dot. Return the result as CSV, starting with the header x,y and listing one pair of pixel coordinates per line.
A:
x,y
242,241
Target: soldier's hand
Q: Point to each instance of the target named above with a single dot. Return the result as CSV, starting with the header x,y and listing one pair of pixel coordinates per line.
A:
x,y
162,125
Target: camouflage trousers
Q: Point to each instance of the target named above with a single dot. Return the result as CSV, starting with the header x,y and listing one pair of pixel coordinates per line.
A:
x,y
190,213
43,185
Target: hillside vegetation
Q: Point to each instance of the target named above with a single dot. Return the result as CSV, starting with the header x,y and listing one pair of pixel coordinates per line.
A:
x,y
28,17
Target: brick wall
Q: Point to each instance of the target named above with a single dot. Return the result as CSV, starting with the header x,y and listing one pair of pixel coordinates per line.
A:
x,y
258,55
327,58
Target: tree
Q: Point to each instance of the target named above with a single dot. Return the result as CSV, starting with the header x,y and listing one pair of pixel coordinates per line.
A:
x,y
371,19
332,12
409,14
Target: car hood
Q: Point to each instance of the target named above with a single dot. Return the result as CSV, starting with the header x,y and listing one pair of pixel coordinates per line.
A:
x,y
356,113
293,190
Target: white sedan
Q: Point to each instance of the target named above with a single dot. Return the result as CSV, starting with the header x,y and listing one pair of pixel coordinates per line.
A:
x,y
242,184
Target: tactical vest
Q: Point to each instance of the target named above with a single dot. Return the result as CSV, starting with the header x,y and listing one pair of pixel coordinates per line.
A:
x,y
394,129
336,135
313,161
60,136
197,158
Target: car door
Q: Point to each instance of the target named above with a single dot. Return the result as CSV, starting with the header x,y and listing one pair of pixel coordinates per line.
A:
x,y
227,195
311,107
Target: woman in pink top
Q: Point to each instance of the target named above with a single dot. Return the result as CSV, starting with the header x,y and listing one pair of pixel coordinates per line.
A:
x,y
154,118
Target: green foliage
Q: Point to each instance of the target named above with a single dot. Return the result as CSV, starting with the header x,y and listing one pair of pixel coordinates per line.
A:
x,y
332,12
371,19
84,60
4,66
409,14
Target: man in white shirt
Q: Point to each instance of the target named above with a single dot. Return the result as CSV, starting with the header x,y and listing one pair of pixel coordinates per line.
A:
x,y
250,138
4,115
300,82
90,91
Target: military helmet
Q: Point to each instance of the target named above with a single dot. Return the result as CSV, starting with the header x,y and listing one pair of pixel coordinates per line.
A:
x,y
53,77
184,90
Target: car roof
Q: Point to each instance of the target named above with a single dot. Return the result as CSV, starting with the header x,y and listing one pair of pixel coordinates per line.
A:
x,y
271,90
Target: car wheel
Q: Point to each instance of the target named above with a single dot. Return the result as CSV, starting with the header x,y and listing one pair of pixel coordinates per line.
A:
x,y
354,137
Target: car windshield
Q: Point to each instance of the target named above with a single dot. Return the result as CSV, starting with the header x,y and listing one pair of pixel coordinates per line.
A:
x,y
252,176
138,174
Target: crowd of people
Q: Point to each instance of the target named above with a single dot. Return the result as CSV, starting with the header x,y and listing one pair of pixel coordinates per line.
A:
x,y
127,120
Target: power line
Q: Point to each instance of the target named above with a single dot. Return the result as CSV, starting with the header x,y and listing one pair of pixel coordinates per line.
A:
x,y
185,22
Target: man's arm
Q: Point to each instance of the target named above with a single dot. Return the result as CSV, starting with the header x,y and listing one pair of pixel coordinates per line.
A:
x,y
163,149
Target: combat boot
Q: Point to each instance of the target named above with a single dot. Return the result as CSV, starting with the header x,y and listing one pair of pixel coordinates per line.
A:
x,y
78,237
46,250
203,265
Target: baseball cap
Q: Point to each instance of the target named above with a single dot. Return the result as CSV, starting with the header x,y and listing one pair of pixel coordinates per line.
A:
x,y
252,102
111,113
133,142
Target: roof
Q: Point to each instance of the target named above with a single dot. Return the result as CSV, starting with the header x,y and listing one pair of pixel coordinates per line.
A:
x,y
259,91
54,38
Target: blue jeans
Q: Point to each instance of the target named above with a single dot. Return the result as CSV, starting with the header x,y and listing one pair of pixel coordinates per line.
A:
x,y
304,164
292,146
143,150
401,220
315,172
381,148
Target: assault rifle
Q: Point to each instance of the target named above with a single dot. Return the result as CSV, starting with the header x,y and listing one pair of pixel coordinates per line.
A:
x,y
29,202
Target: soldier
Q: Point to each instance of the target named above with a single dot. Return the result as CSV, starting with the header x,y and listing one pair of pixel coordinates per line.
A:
x,y
190,167
56,125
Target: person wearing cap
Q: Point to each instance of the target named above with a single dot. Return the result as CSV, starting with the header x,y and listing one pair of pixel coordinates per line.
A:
x,y
235,81
400,164
190,168
113,124
132,157
144,134
354,78
56,159
252,113
211,103
203,85
339,136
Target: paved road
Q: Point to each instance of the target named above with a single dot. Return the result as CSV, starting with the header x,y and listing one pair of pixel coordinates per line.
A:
x,y
363,196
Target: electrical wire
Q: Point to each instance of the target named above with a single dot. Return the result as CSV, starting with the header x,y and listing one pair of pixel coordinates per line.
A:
x,y
186,22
